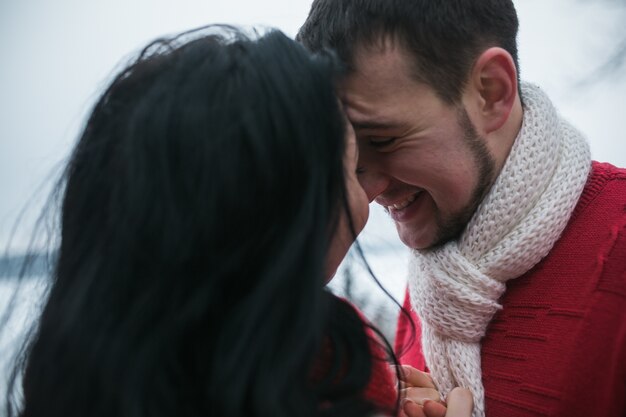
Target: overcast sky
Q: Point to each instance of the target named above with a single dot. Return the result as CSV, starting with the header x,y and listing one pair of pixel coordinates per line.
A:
x,y
57,55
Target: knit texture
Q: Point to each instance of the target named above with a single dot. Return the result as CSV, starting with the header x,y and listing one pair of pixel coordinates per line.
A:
x,y
455,289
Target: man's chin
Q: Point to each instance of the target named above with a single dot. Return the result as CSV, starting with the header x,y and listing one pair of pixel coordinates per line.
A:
x,y
434,237
413,238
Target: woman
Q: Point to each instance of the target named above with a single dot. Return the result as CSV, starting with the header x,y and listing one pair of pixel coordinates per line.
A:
x,y
210,197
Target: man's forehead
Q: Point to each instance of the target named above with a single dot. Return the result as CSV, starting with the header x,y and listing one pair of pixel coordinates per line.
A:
x,y
376,77
358,111
369,118
368,107
365,119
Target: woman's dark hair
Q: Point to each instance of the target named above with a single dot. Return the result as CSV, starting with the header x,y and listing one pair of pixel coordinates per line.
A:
x,y
196,215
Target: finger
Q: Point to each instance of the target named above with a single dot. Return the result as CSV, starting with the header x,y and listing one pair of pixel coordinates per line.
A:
x,y
412,409
415,377
419,395
460,403
434,409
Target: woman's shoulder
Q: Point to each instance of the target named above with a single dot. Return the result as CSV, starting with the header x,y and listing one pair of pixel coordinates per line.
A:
x,y
382,387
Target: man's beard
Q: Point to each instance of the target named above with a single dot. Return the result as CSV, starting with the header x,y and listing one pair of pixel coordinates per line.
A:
x,y
452,227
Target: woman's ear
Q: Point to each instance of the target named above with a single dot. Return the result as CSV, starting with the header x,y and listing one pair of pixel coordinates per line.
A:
x,y
493,81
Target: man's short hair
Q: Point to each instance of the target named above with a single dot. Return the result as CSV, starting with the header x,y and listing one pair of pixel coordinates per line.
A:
x,y
444,37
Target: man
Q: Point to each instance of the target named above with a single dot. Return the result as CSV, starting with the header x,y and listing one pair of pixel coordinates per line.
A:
x,y
518,274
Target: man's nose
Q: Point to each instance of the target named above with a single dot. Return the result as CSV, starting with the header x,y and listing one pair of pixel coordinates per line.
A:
x,y
374,183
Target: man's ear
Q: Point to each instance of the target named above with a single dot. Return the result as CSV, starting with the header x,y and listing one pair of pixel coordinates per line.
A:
x,y
494,81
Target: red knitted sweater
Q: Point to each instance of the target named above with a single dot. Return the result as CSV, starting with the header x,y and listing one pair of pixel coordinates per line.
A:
x,y
558,346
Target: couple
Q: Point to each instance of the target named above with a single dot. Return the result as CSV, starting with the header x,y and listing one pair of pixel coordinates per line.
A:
x,y
217,185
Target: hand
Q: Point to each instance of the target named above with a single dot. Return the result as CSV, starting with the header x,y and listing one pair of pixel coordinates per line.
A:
x,y
421,398
459,404
417,387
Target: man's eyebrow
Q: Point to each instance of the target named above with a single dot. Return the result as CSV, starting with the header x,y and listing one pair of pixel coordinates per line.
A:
x,y
373,125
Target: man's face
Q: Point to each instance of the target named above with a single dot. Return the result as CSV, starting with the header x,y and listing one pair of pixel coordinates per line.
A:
x,y
420,158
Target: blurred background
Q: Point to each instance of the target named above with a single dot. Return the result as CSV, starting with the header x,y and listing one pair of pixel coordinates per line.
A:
x,y
57,56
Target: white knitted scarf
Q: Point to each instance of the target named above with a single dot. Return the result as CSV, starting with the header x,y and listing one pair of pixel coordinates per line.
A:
x,y
455,288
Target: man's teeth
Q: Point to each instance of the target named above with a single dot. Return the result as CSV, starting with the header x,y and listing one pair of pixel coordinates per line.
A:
x,y
400,206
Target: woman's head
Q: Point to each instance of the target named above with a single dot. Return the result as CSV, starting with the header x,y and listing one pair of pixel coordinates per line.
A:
x,y
354,216
198,210
219,144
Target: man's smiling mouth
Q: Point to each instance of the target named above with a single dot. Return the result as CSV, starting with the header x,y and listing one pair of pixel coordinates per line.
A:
x,y
403,204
